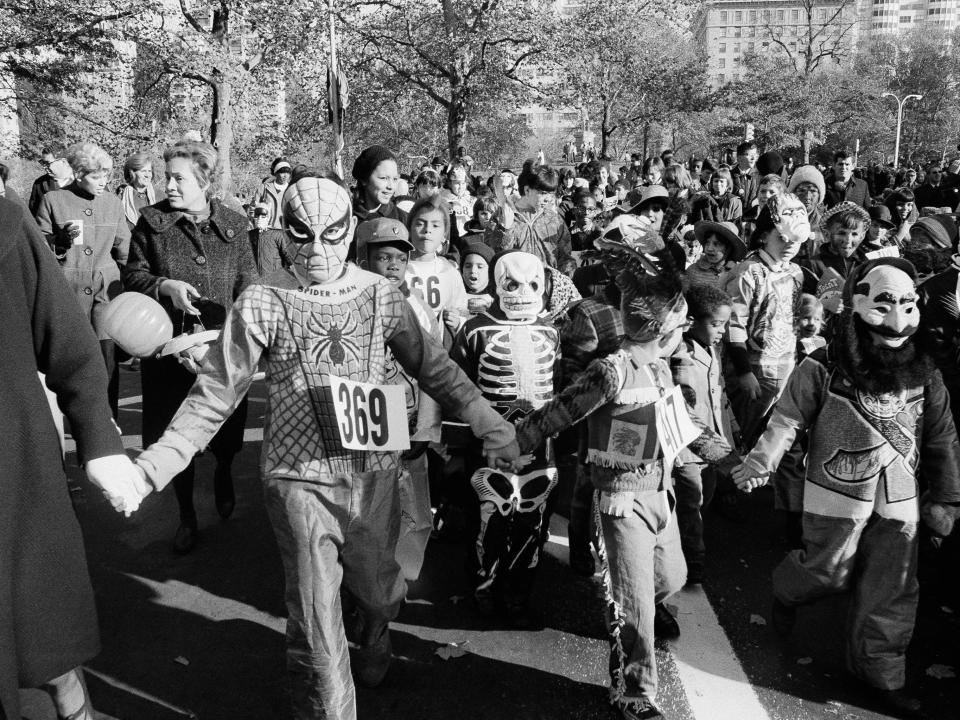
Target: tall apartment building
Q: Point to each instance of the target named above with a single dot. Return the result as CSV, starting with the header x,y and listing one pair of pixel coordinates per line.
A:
x,y
884,17
728,30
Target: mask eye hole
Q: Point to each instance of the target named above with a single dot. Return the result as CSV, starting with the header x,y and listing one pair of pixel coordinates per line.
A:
x,y
535,286
511,286
333,234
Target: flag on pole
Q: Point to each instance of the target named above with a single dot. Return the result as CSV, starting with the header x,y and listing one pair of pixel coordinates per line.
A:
x,y
337,96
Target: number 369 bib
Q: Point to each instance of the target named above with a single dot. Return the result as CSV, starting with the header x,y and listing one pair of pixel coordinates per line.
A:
x,y
370,417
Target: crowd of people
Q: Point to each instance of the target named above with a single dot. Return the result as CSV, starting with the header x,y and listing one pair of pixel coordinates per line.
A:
x,y
695,330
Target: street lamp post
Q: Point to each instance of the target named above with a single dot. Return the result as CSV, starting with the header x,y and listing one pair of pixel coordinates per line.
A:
x,y
900,104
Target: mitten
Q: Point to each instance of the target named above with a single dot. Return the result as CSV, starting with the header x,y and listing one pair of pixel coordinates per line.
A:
x,y
937,516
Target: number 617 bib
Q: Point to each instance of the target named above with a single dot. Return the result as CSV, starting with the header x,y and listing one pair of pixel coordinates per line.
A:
x,y
370,417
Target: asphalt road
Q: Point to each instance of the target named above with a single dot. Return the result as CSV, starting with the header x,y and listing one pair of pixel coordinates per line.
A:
x,y
202,635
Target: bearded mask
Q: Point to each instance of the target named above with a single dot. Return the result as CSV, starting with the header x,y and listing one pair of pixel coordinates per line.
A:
x,y
885,301
519,282
318,220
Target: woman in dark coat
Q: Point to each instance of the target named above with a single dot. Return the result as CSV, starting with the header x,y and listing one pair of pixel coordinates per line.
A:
x,y
191,253
48,623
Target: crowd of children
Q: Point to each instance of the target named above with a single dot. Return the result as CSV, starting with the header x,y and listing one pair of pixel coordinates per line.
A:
x,y
699,330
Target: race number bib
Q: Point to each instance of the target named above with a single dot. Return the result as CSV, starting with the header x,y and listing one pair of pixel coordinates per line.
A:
x,y
429,287
370,417
674,427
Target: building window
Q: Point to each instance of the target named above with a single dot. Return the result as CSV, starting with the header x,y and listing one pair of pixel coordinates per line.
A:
x,y
750,47
753,16
780,15
905,19
738,16
722,63
794,15
722,78
723,47
723,16
736,47
736,32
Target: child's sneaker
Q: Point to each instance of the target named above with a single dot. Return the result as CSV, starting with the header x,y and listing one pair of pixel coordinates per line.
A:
x,y
642,710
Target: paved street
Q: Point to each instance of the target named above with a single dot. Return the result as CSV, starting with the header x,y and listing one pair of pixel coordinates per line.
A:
x,y
202,635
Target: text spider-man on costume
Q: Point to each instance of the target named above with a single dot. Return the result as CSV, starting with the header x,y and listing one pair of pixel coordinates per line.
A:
x,y
333,500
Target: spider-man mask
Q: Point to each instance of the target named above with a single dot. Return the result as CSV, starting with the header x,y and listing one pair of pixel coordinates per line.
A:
x,y
318,219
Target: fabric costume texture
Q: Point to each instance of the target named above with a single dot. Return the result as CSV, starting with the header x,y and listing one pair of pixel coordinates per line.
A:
x,y
860,501
326,503
512,363
48,622
765,296
644,563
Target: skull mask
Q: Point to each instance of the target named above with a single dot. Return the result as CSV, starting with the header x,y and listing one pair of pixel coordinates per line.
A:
x,y
885,300
519,280
318,219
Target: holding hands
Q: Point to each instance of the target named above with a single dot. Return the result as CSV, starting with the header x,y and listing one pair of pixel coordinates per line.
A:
x,y
746,479
123,483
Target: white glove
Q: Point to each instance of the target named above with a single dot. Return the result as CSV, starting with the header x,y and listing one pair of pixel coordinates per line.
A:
x,y
119,480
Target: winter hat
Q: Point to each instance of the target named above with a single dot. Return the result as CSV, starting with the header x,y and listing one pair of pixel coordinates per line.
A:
x,y
727,232
880,214
368,160
941,229
807,174
476,247
846,207
770,163
278,165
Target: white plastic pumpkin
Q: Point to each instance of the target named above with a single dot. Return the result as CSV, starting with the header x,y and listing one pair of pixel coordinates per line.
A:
x,y
137,323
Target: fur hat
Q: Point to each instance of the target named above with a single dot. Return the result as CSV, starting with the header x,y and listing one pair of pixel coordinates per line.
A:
x,y
368,160
808,174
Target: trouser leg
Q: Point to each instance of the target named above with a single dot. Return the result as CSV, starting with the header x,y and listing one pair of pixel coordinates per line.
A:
x,y
489,548
308,521
580,530
884,606
369,555
183,488
643,565
415,516
107,350
523,555
688,486
826,563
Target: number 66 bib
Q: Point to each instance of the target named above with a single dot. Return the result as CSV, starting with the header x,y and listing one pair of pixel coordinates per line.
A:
x,y
370,417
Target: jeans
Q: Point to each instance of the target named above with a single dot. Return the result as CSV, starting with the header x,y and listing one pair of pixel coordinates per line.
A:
x,y
345,531
643,565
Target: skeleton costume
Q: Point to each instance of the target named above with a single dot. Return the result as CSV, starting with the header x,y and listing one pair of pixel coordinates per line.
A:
x,y
874,407
640,544
510,354
335,512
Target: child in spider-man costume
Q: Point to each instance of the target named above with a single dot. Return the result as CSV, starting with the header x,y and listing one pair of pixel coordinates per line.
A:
x,y
510,353
335,511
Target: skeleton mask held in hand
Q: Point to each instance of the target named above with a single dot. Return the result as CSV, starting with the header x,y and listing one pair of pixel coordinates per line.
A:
x,y
519,280
318,220
885,300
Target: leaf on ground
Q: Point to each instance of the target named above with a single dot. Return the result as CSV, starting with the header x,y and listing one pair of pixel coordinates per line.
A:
x,y
946,610
181,660
941,672
804,660
451,650
455,599
757,619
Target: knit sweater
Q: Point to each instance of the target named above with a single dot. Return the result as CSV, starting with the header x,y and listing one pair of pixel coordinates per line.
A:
x,y
619,385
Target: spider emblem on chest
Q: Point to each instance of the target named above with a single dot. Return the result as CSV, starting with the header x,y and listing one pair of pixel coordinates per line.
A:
x,y
334,340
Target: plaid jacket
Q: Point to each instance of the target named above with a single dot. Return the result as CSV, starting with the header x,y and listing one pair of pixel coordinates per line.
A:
x,y
593,330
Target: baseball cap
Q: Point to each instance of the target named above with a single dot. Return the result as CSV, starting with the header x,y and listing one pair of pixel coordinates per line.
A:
x,y
384,231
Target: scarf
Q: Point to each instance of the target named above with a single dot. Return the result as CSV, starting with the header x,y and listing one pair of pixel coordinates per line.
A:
x,y
128,198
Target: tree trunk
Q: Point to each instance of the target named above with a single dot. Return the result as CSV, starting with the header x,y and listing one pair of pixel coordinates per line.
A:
x,y
646,139
456,120
605,131
805,144
221,134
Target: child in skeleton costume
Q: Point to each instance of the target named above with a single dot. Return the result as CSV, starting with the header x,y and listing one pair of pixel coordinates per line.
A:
x,y
510,355
335,511
874,407
385,250
619,395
